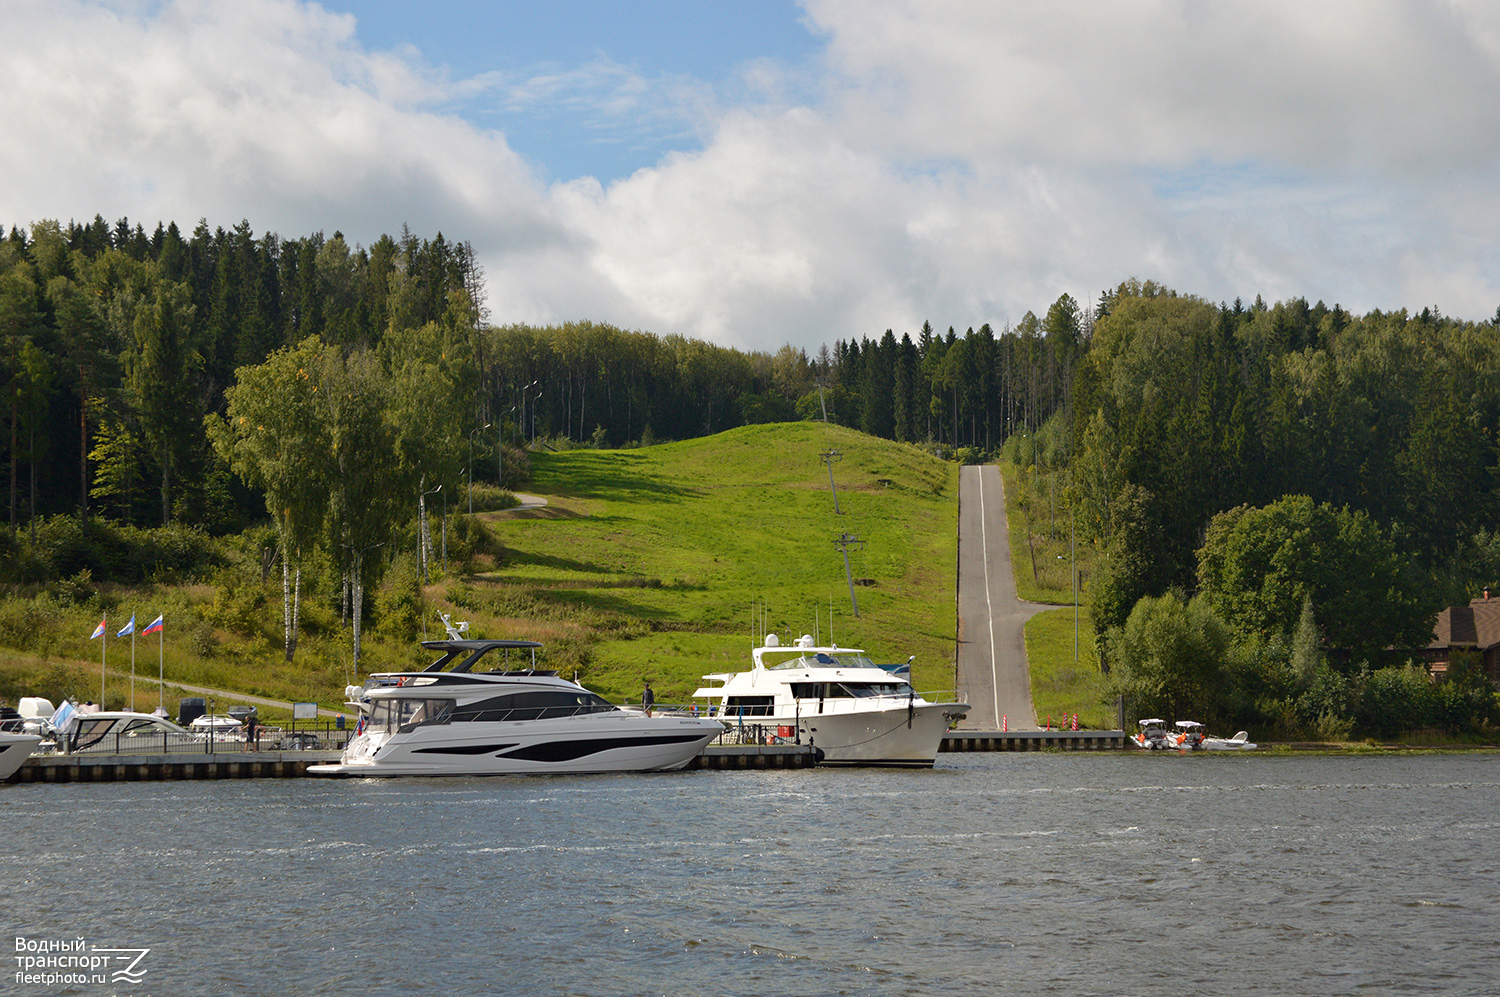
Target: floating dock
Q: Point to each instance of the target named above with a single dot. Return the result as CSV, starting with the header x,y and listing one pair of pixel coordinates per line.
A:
x,y
1035,740
154,768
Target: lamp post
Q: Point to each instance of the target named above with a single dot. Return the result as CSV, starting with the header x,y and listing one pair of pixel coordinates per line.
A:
x,y
521,401
471,464
500,447
427,535
533,416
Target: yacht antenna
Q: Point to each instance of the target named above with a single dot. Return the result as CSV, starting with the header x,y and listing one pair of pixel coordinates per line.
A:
x,y
457,630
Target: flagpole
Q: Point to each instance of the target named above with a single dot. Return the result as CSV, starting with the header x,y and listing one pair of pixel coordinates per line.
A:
x,y
132,664
161,672
103,653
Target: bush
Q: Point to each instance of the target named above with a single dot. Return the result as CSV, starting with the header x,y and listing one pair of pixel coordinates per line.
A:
x,y
31,624
1174,659
398,602
66,545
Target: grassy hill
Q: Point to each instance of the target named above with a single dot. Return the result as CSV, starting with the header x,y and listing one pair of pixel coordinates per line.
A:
x,y
644,564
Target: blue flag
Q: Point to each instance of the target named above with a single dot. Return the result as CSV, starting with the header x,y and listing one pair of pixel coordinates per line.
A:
x,y
129,628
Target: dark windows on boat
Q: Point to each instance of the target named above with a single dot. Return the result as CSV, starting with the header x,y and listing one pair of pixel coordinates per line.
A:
x,y
862,690
402,715
846,690
542,705
749,706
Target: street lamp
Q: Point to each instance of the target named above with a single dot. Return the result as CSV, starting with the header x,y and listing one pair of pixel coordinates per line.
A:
x,y
471,464
426,537
500,447
533,416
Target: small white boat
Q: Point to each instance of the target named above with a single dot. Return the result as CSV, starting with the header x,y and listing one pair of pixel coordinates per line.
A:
x,y
1240,742
14,750
460,721
835,699
221,726
1187,737
1153,735
123,732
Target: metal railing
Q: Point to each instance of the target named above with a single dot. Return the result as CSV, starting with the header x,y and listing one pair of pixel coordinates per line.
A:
x,y
311,737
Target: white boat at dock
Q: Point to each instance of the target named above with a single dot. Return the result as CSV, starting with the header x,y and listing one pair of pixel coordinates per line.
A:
x,y
835,699
1188,736
460,721
1152,735
15,748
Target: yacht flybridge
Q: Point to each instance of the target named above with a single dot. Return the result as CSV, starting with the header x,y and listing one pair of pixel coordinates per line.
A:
x,y
461,721
836,699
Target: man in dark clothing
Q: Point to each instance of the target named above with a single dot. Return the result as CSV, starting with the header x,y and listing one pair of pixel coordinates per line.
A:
x,y
648,699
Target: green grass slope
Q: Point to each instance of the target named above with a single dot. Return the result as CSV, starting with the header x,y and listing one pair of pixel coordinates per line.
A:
x,y
646,562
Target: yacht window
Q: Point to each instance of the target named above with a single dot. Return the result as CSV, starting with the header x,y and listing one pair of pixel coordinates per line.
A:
x,y
540,705
862,690
91,732
749,706
402,715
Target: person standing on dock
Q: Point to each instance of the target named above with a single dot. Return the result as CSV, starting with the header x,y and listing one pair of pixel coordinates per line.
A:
x,y
648,699
252,739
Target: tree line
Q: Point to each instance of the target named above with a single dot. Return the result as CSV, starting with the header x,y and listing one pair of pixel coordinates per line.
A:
x,y
222,378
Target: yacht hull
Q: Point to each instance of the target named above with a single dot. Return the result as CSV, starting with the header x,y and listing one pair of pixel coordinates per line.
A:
x,y
898,736
14,750
623,742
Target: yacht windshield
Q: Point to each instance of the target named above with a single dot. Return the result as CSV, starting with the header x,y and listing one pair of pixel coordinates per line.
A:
x,y
822,659
401,715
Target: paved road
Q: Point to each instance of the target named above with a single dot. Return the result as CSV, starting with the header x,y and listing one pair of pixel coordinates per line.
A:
x,y
992,671
143,693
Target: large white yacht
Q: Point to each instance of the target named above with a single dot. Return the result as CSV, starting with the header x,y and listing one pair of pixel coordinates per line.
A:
x,y
836,699
526,721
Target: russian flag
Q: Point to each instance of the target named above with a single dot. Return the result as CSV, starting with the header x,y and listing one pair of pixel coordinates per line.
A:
x,y
153,628
99,630
129,628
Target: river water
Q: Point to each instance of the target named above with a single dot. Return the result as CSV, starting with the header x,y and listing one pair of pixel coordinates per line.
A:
x,y
993,873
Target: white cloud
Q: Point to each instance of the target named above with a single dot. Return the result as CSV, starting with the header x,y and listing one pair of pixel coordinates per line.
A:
x,y
962,162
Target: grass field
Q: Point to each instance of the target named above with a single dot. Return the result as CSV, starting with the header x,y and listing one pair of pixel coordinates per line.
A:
x,y
1061,685
663,551
1041,561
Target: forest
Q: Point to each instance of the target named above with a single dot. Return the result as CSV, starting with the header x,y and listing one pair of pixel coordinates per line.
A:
x,y
1288,492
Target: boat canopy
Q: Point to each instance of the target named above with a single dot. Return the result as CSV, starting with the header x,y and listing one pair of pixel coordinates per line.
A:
x,y
1188,724
470,651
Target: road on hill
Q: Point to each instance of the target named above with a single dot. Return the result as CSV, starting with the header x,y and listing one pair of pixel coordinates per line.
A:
x,y
992,670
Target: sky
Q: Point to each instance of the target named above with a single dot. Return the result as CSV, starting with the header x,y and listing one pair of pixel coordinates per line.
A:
x,y
770,172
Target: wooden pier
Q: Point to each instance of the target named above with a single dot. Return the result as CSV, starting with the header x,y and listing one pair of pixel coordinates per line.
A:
x,y
1035,740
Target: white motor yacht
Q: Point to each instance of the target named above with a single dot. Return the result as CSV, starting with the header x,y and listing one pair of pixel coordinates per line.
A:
x,y
15,748
461,721
835,699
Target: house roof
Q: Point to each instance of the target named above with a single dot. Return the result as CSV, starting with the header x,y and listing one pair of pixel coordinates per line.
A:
x,y
1476,625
